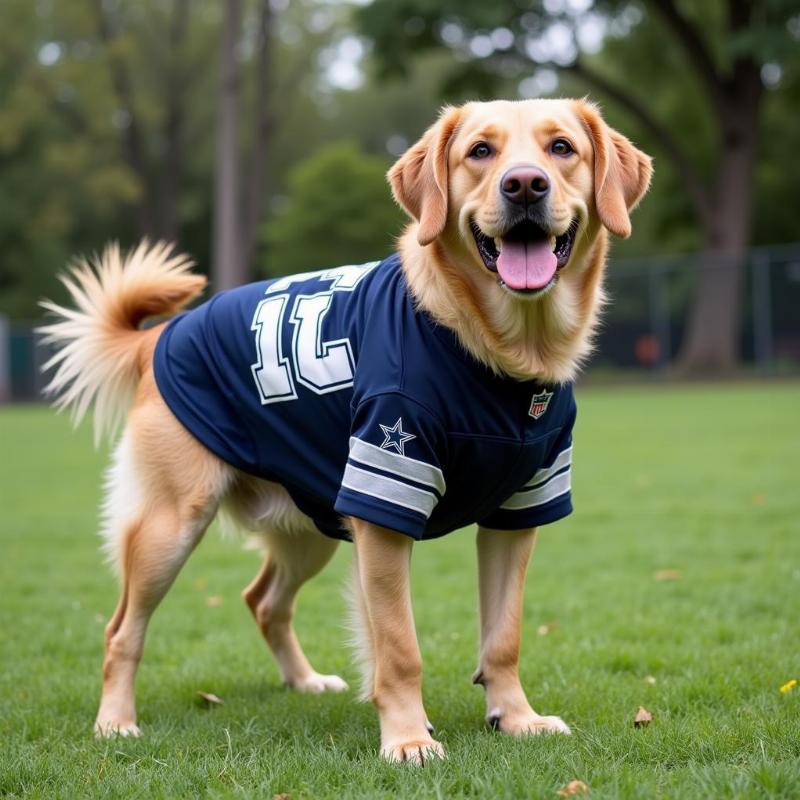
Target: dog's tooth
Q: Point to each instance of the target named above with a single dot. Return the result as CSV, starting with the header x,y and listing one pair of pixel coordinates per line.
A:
x,y
498,243
553,240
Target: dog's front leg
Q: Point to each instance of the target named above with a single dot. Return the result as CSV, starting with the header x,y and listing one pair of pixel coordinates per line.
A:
x,y
383,560
503,558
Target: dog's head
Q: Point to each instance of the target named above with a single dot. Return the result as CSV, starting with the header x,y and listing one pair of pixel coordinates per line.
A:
x,y
517,190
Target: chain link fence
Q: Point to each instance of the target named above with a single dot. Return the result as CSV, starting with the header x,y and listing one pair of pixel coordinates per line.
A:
x,y
641,332
645,323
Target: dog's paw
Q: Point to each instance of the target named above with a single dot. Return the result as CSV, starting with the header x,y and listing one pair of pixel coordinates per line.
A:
x,y
417,752
317,684
525,723
108,728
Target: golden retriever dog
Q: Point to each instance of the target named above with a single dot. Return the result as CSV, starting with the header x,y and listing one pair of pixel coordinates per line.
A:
x,y
494,294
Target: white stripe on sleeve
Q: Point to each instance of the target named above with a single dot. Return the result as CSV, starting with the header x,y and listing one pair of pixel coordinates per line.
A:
x,y
530,498
541,475
388,490
402,466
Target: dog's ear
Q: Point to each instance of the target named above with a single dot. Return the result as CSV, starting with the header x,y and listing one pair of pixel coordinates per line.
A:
x,y
419,177
621,172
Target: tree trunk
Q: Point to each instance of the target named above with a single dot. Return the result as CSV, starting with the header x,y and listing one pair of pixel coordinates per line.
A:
x,y
711,343
257,185
228,268
133,142
172,169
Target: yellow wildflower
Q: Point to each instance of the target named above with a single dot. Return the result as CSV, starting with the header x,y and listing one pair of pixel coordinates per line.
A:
x,y
787,687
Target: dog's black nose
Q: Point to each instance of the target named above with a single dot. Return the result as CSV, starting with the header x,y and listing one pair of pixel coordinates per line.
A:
x,y
524,185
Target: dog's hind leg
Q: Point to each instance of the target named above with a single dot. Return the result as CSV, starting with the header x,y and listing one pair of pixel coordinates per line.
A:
x,y
155,550
163,492
292,559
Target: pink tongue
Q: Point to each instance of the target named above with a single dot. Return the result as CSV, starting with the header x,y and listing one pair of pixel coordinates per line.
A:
x,y
526,265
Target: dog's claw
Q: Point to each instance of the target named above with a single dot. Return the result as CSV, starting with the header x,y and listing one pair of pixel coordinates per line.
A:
x,y
317,684
414,753
108,730
528,724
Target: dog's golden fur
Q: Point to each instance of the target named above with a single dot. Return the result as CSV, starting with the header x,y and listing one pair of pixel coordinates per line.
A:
x,y
164,487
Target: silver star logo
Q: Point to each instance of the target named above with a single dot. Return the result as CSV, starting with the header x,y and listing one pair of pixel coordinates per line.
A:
x,y
396,437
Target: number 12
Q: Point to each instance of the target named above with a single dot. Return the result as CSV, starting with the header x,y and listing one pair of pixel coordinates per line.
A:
x,y
320,366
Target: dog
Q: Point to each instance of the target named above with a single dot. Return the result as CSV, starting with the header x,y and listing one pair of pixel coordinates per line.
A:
x,y
380,403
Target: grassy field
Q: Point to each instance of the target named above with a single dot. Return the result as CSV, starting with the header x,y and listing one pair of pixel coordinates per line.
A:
x,y
702,482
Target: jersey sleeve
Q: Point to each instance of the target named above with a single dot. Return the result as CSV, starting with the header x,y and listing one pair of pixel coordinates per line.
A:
x,y
393,475
547,495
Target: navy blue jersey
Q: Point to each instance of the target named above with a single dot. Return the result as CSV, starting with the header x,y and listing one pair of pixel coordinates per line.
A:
x,y
334,385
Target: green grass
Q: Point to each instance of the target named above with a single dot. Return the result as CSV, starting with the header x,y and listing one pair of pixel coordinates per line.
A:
x,y
700,480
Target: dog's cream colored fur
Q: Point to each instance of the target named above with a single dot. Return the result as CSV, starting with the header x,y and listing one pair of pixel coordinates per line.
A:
x,y
164,487
96,362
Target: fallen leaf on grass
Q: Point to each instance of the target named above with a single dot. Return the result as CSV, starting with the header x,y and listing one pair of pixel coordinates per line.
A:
x,y
788,686
643,717
200,584
572,789
649,679
547,627
210,698
667,575
281,796
214,601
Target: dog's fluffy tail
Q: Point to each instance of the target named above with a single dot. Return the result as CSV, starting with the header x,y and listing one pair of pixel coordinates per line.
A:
x,y
97,359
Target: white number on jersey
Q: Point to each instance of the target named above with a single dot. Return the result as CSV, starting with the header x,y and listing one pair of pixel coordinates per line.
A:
x,y
320,366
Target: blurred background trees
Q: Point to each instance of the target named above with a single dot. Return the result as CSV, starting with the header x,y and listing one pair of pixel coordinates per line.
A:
x,y
255,133
337,211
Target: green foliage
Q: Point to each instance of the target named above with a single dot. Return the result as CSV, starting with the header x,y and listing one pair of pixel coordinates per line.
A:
x,y
695,479
59,161
338,211
67,184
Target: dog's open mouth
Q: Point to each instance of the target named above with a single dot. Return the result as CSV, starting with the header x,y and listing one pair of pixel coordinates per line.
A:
x,y
526,258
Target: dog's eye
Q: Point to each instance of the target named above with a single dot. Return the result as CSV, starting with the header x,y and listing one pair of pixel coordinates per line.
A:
x,y
480,150
561,147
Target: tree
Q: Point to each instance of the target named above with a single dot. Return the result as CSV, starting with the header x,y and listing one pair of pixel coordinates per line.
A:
x,y
61,178
242,180
107,126
725,46
174,129
264,119
338,211
228,269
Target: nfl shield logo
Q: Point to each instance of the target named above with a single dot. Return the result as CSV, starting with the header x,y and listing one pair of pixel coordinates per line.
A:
x,y
539,404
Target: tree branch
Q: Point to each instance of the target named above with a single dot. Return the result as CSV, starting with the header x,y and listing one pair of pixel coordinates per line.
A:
x,y
695,186
739,12
744,84
695,48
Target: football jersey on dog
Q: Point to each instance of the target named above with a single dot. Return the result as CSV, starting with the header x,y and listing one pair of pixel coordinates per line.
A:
x,y
334,385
